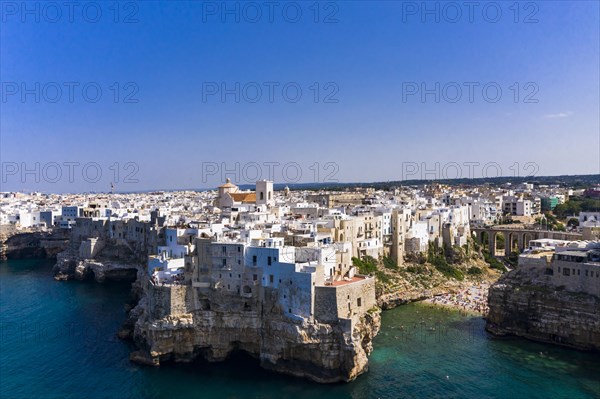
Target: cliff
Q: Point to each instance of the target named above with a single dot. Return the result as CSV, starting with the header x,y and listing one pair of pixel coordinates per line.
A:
x,y
168,327
523,303
98,259
416,282
31,244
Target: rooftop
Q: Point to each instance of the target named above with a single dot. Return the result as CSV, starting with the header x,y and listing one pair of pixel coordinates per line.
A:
x,y
348,281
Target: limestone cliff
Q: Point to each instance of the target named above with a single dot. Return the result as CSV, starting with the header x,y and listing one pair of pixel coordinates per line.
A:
x,y
170,328
522,303
69,266
113,262
32,244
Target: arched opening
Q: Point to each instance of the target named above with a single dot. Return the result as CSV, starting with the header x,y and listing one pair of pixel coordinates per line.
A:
x,y
499,244
514,243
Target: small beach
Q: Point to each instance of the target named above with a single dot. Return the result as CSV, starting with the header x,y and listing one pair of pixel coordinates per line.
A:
x,y
472,299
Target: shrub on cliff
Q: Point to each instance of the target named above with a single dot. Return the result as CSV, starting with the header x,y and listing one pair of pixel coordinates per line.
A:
x,y
381,276
438,260
389,263
493,262
418,269
474,271
366,265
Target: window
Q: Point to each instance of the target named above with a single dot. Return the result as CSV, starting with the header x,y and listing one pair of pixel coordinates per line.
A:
x,y
359,302
566,271
224,262
269,261
253,260
254,277
223,249
239,249
270,278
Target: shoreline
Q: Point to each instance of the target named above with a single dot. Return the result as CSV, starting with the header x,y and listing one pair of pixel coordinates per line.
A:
x,y
453,308
471,300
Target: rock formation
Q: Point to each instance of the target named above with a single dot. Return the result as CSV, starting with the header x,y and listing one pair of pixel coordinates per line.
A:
x,y
169,327
523,304
70,266
31,245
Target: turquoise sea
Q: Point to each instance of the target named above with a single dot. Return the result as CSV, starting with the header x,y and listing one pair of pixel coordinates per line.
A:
x,y
57,340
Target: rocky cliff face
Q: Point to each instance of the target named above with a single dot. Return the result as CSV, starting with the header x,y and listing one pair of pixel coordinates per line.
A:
x,y
522,303
69,266
32,245
300,347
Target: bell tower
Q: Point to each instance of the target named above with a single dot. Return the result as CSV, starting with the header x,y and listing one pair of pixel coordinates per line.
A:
x,y
264,193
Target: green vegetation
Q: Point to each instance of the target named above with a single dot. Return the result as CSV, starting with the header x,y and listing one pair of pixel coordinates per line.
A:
x,y
575,205
552,221
500,241
374,309
381,276
389,263
366,265
574,181
419,269
513,258
493,262
438,259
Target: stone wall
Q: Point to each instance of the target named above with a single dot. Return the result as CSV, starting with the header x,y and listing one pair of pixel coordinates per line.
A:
x,y
344,301
167,300
577,277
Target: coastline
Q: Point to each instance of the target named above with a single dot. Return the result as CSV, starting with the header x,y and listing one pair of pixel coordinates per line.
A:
x,y
471,300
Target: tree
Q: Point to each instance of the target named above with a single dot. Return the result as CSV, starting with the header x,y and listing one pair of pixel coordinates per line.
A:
x,y
366,265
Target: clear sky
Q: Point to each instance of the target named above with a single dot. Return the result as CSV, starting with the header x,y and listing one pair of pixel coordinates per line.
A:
x,y
388,89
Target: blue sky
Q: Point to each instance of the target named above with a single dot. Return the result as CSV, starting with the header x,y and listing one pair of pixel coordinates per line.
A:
x,y
368,123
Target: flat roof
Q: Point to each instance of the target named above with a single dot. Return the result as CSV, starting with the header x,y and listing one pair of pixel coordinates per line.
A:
x,y
581,254
350,281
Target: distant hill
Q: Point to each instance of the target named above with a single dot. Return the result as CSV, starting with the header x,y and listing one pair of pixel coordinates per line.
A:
x,y
575,181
